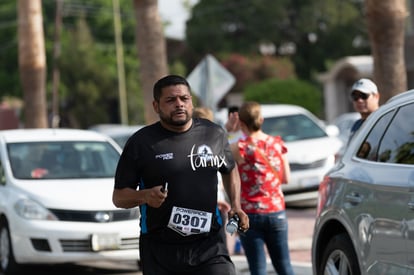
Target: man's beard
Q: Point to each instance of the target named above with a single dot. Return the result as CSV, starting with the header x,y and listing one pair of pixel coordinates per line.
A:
x,y
168,119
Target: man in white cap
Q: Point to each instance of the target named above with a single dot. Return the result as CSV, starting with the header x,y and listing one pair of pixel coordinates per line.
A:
x,y
365,98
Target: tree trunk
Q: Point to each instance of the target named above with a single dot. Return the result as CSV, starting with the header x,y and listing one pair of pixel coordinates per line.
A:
x,y
385,21
152,51
32,63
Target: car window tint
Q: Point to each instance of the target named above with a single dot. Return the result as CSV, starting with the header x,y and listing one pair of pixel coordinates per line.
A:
x,y
292,128
369,147
397,145
62,160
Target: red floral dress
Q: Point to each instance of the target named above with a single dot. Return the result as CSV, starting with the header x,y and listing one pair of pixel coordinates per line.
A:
x,y
261,190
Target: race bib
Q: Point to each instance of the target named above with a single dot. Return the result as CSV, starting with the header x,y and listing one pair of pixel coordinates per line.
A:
x,y
189,221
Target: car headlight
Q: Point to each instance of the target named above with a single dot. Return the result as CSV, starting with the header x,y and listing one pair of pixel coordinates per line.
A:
x,y
32,210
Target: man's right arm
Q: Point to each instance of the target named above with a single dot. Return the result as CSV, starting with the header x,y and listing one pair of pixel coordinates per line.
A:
x,y
231,183
129,198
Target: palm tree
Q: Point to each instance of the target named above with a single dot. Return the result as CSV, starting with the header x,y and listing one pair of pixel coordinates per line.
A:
x,y
32,62
152,51
385,21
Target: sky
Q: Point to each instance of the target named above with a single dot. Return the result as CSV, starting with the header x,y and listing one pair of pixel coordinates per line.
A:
x,y
174,12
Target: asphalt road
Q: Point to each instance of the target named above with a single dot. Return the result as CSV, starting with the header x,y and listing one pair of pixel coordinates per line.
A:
x,y
300,221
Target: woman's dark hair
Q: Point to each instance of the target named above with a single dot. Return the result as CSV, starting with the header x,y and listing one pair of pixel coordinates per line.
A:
x,y
169,80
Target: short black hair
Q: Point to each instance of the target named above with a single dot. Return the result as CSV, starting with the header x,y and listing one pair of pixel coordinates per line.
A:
x,y
233,109
169,80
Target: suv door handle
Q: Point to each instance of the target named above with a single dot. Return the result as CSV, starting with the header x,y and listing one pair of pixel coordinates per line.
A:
x,y
354,198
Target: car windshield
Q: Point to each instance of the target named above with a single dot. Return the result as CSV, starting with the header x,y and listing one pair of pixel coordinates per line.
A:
x,y
292,127
62,160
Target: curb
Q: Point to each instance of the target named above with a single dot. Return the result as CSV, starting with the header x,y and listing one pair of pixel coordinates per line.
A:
x,y
300,244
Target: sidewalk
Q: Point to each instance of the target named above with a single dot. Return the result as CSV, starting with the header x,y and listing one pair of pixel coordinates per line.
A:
x,y
299,253
242,268
301,223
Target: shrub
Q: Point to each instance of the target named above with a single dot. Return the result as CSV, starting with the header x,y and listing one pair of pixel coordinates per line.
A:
x,y
292,91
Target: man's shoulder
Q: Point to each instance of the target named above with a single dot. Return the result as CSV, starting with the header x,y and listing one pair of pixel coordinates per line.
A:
x,y
147,134
356,125
202,122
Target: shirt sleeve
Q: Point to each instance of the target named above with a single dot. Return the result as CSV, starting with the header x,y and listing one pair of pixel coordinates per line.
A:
x,y
126,174
228,163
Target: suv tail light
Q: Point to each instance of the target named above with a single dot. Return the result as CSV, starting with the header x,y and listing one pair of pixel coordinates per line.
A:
x,y
323,194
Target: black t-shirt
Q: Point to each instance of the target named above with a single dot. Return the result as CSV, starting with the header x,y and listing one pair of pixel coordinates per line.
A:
x,y
188,161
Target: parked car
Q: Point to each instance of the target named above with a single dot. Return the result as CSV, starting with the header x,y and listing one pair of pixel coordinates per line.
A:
x,y
118,132
312,148
56,200
365,213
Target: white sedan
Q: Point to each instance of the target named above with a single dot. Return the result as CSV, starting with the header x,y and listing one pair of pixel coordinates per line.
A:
x,y
56,200
312,149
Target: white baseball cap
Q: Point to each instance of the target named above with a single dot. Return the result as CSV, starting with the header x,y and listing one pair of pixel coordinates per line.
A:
x,y
365,86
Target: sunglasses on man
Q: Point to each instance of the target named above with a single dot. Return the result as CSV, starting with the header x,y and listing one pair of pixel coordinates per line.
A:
x,y
356,96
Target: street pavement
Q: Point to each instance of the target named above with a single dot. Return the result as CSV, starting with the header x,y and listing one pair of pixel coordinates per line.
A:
x,y
300,221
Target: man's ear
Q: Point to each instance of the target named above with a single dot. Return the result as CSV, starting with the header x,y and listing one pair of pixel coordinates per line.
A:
x,y
156,106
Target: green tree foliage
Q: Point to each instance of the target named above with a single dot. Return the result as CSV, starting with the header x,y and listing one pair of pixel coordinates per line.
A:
x,y
9,77
88,90
318,30
232,25
89,82
290,91
86,84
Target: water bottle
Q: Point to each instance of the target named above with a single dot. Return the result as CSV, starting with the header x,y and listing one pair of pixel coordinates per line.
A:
x,y
233,224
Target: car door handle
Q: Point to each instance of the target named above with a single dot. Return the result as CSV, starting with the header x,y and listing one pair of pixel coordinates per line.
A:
x,y
354,198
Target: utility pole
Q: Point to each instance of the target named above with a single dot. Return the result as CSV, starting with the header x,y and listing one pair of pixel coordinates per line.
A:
x,y
120,63
56,73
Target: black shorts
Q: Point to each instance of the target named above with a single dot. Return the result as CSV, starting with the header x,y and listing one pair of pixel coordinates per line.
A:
x,y
205,256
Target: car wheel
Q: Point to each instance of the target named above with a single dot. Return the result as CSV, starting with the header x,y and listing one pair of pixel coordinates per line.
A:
x,y
7,263
339,257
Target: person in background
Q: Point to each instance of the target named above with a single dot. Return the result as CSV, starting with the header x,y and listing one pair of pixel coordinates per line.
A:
x,y
203,112
234,133
263,168
233,125
365,98
169,169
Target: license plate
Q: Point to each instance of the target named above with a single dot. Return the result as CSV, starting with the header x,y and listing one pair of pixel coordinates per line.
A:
x,y
101,242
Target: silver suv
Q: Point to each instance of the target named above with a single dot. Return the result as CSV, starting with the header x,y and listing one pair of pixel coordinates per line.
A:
x,y
365,214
